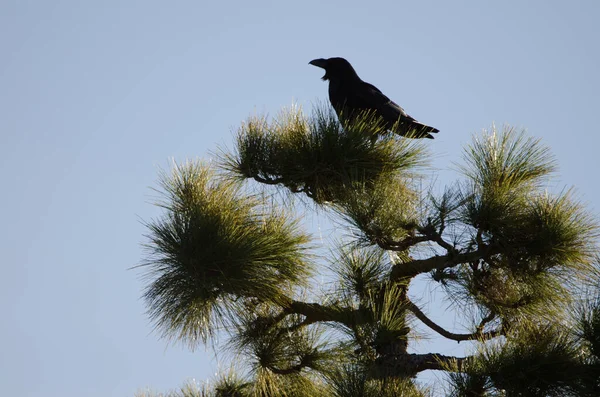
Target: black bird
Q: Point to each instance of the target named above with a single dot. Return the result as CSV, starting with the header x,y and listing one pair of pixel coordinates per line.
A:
x,y
350,96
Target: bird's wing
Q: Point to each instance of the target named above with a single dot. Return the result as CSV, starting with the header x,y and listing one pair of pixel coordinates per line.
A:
x,y
401,111
371,97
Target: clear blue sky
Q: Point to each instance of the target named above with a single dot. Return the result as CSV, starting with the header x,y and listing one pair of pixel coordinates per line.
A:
x,y
94,96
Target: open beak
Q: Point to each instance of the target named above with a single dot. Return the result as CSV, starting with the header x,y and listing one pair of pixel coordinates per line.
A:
x,y
321,63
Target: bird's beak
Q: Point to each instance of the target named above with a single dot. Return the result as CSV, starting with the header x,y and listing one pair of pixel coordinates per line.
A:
x,y
321,63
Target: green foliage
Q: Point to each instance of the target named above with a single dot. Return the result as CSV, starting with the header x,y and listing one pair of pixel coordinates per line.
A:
x,y
379,320
498,243
589,328
532,362
227,385
540,362
515,296
543,233
536,245
507,161
360,271
388,310
504,170
231,385
587,332
353,380
383,211
283,346
213,245
316,155
269,384
470,384
190,389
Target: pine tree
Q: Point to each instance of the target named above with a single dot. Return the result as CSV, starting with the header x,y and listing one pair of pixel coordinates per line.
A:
x,y
516,258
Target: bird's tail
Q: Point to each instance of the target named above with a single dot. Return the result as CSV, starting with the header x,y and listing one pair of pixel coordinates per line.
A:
x,y
419,130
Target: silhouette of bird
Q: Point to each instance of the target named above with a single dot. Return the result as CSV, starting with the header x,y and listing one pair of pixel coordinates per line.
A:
x,y
351,97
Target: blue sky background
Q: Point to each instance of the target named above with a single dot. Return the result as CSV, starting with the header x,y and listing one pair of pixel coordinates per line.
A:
x,y
95,96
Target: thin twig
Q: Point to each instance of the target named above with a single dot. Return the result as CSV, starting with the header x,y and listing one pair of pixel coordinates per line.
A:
x,y
451,335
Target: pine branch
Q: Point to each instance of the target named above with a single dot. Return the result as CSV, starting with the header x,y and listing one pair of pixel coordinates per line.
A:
x,y
486,320
439,262
268,181
434,235
428,233
287,371
315,312
479,334
403,244
402,365
422,362
399,365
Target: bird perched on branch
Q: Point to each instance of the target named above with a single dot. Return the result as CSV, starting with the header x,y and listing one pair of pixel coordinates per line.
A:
x,y
350,97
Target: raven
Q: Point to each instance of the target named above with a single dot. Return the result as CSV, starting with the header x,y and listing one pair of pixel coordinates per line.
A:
x,y
350,96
